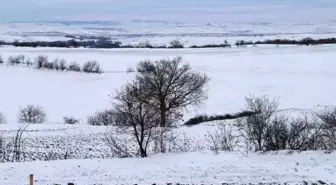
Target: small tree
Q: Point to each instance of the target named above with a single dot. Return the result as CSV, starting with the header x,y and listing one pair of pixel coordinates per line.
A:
x,y
256,125
140,119
32,114
176,44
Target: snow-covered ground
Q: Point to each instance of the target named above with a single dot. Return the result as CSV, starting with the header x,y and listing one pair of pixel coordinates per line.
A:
x,y
300,76
188,168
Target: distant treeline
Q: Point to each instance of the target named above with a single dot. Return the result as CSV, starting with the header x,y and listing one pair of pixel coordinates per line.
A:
x,y
305,41
104,42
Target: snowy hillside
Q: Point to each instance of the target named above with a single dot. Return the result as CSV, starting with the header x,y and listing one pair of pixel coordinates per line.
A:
x,y
299,76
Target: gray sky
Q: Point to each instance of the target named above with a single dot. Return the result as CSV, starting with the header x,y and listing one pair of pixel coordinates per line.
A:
x,y
196,10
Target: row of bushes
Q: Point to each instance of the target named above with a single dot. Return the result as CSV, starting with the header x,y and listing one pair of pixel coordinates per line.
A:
x,y
42,62
304,41
205,118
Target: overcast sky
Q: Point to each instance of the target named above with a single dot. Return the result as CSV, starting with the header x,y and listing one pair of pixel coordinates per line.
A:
x,y
189,10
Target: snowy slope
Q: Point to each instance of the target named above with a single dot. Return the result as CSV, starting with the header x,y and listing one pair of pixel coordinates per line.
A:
x,y
299,76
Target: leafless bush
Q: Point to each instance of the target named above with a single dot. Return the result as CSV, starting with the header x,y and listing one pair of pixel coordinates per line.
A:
x,y
70,120
62,65
56,64
255,126
223,139
2,118
16,60
40,61
1,60
92,67
277,134
328,118
32,114
74,66
176,44
103,118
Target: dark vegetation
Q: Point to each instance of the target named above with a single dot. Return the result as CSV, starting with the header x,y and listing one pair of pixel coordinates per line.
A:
x,y
42,62
107,43
205,118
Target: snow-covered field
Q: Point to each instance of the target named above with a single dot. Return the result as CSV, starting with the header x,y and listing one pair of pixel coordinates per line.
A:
x,y
189,168
163,32
301,77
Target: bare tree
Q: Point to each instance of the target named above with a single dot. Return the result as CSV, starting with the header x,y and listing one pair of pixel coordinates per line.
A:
x,y
171,87
32,114
256,125
140,119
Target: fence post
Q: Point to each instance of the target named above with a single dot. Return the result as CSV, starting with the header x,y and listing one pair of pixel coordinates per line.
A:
x,y
31,179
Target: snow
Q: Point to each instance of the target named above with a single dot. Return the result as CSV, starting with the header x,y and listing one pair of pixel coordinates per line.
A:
x,y
188,168
299,76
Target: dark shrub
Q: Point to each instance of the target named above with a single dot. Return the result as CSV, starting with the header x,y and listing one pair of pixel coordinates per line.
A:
x,y
62,65
92,67
74,66
40,61
70,120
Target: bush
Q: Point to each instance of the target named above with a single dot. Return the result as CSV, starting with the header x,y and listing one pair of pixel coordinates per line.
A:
x,y
32,114
1,60
28,62
223,139
56,64
49,65
204,118
103,118
16,60
3,119
62,65
74,67
40,61
70,120
176,44
92,67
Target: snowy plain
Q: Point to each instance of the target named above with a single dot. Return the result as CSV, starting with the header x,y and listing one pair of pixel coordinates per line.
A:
x,y
300,77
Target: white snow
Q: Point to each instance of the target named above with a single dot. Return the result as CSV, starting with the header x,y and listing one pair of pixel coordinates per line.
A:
x,y
300,76
187,168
